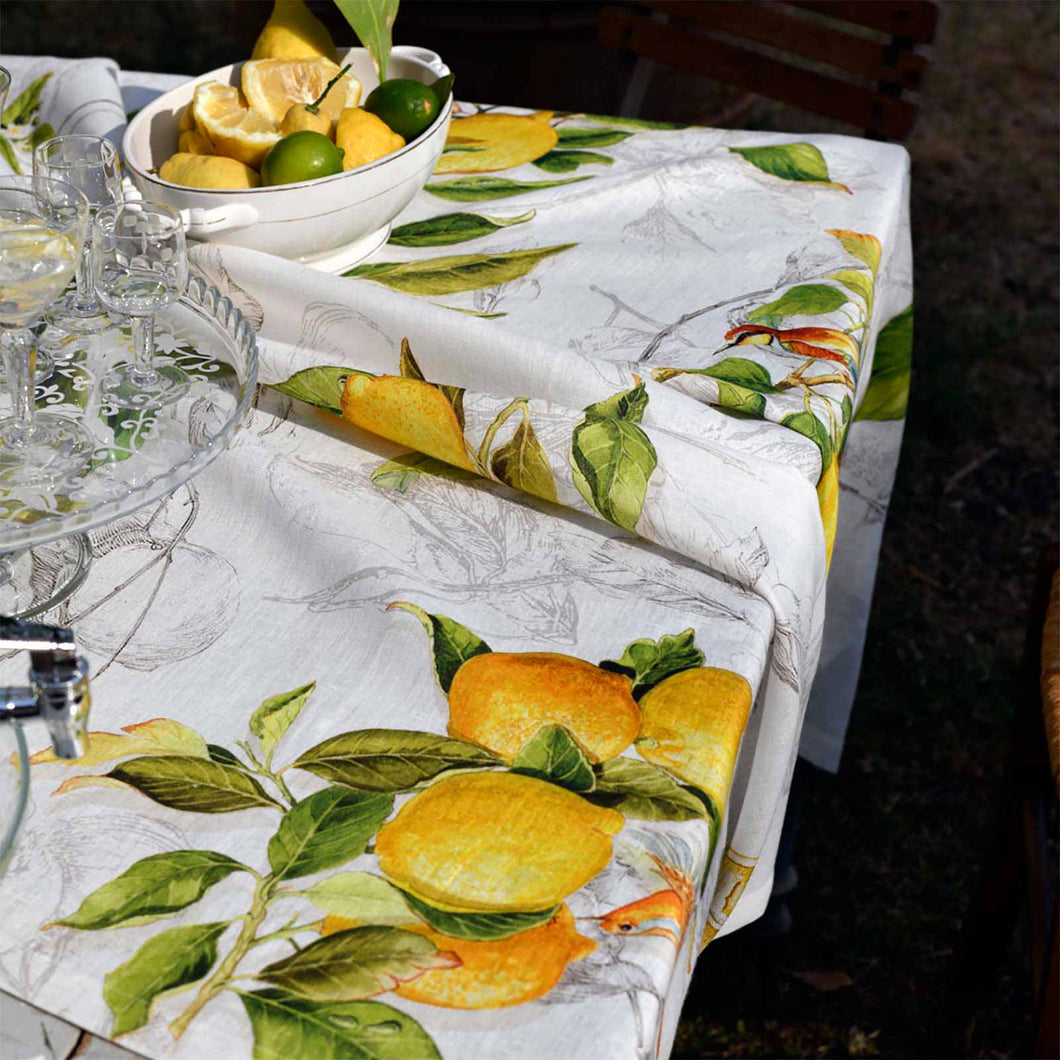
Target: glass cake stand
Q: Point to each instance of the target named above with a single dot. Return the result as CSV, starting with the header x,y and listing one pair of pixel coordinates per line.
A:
x,y
141,455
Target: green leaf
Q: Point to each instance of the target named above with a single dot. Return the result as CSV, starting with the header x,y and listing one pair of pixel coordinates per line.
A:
x,y
401,472
361,896
221,754
449,228
806,423
451,643
443,89
389,759
175,958
277,713
479,189
639,789
568,161
321,386
292,1028
857,282
522,463
887,394
196,785
326,829
611,461
630,123
808,299
647,662
742,372
627,405
552,754
373,22
572,137
469,312
458,272
26,104
355,964
407,365
800,161
9,155
740,399
150,889
479,927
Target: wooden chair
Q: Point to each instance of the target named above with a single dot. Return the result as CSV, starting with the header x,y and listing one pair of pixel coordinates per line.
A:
x,y
850,60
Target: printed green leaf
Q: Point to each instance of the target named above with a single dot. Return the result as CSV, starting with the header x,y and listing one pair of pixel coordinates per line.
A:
x,y
26,104
742,372
325,830
355,964
847,408
627,405
458,272
800,161
469,312
808,299
407,365
389,759
861,245
522,463
857,282
449,228
221,754
401,472
9,155
887,394
39,135
479,189
639,789
321,386
806,423
551,754
362,896
443,89
740,399
451,643
175,958
586,138
479,927
568,161
611,461
286,1026
277,713
150,889
630,123
196,785
373,22
646,662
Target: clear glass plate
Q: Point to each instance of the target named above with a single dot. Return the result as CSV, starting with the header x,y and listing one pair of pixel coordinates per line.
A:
x,y
140,455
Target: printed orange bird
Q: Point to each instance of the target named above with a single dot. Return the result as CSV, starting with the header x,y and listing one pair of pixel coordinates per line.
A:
x,y
827,344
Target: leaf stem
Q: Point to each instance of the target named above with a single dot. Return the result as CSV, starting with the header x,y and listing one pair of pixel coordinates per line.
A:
x,y
491,432
287,931
253,920
315,105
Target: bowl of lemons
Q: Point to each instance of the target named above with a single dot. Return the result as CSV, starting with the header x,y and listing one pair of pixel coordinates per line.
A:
x,y
300,151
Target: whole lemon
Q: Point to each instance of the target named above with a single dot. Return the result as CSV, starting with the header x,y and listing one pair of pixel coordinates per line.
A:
x,y
304,155
407,106
207,171
364,137
495,843
299,118
499,700
293,32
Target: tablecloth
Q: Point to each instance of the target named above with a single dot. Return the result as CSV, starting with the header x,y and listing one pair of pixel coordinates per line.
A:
x,y
596,401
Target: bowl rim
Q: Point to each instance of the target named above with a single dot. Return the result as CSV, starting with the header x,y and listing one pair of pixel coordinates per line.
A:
x,y
156,104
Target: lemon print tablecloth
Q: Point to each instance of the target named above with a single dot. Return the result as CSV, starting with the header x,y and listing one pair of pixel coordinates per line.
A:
x,y
453,712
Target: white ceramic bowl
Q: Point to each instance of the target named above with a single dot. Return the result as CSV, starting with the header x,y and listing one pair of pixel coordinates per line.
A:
x,y
330,223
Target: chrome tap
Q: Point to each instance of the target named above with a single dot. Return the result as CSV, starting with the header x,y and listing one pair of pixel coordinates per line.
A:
x,y
58,691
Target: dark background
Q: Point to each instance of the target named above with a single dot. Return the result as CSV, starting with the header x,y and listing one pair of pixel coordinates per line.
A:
x,y
891,846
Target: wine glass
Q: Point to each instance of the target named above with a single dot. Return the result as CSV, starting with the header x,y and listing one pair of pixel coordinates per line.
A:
x,y
91,165
5,84
43,224
139,266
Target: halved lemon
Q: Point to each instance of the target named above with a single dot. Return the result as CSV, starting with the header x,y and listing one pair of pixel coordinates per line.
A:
x,y
235,130
273,85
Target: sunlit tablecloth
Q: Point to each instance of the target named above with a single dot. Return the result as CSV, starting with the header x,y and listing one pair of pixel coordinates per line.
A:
x,y
597,403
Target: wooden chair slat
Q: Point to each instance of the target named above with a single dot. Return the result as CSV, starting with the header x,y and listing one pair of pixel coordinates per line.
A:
x,y
915,20
873,60
878,115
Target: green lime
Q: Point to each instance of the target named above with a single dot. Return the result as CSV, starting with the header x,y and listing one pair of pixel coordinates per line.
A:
x,y
408,107
303,155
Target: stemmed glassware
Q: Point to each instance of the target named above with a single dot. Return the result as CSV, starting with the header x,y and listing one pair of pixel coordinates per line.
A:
x,y
42,231
139,266
91,165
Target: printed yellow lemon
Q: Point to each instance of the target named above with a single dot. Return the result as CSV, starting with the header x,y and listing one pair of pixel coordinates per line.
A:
x,y
496,843
692,724
193,142
273,85
364,137
207,171
235,130
485,143
293,32
500,972
828,499
499,700
408,411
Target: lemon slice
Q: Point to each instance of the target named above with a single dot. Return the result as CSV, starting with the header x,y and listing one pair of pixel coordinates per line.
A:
x,y
235,131
273,85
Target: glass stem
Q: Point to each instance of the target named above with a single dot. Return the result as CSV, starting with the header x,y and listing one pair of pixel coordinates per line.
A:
x,y
143,329
20,353
85,302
